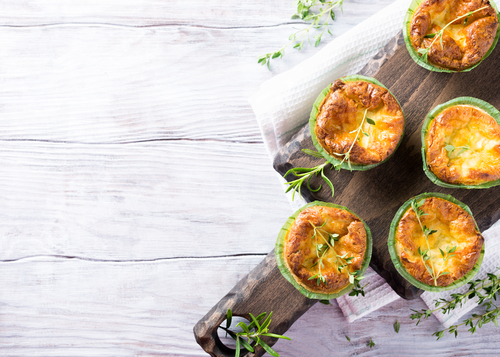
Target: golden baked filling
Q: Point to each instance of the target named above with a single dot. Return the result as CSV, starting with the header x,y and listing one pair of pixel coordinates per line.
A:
x,y
451,249
322,246
360,115
463,146
464,42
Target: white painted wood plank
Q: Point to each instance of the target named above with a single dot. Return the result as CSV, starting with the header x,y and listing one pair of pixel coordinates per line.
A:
x,y
53,307
156,12
99,84
138,201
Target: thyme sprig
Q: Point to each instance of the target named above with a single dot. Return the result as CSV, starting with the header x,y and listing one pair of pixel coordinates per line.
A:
x,y
347,155
451,148
306,174
342,261
307,10
425,51
486,290
252,332
425,254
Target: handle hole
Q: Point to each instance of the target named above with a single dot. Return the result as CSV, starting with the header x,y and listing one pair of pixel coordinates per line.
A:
x,y
227,343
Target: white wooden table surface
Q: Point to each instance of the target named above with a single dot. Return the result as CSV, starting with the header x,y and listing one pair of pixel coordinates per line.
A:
x,y
135,187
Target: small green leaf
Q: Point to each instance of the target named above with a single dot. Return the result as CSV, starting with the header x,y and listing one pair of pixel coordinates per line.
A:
x,y
348,339
229,318
313,153
237,348
431,35
246,345
371,343
332,15
396,326
449,148
325,302
370,121
243,326
268,349
276,54
318,40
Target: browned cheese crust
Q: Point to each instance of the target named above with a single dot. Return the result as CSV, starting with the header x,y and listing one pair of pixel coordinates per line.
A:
x,y
341,113
301,254
454,226
475,135
463,46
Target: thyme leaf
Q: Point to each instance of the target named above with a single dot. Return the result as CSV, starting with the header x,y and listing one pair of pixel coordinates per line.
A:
x,y
397,326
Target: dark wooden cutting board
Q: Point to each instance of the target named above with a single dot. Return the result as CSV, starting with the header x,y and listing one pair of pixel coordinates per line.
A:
x,y
374,195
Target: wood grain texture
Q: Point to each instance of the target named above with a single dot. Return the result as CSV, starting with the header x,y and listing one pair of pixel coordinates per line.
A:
x,y
58,306
139,201
223,14
376,195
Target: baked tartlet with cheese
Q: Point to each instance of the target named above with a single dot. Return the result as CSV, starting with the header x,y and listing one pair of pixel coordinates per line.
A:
x,y
466,41
453,251
320,246
461,144
358,116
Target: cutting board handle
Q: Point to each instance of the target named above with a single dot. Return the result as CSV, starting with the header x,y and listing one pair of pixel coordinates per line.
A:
x,y
263,290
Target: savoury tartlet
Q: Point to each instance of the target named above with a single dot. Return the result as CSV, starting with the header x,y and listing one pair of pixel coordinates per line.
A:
x,y
434,242
466,39
320,247
356,123
461,144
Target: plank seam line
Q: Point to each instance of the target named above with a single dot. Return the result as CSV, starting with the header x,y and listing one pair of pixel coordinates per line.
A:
x,y
55,24
132,141
73,257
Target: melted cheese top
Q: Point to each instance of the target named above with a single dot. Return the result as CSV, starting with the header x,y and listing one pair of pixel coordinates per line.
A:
x,y
454,230
440,18
301,243
362,118
466,39
463,146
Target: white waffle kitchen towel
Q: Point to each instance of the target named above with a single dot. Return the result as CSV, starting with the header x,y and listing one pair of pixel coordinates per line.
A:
x,y
282,106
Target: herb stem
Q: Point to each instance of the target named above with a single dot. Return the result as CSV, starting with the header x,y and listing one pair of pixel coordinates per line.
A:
x,y
424,51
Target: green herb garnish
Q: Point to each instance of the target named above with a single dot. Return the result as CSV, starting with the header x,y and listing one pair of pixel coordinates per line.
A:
x,y
342,261
252,333
306,174
451,148
425,51
425,255
371,343
306,11
396,326
487,292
